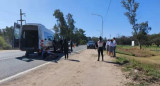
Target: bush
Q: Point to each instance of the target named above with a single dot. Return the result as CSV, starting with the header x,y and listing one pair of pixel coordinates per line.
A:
x,y
3,44
82,42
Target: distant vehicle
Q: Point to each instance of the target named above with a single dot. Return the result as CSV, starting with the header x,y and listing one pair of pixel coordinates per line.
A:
x,y
91,45
35,37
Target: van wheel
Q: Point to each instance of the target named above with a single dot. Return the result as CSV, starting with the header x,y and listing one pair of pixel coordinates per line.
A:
x,y
39,53
27,54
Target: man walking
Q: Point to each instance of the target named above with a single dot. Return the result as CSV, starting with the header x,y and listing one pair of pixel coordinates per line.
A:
x,y
114,47
65,46
100,48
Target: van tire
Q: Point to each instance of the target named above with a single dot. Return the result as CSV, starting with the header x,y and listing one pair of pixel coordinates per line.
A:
x,y
39,53
27,54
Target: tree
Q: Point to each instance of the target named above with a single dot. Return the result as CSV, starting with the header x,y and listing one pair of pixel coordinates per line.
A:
x,y
139,30
79,36
7,34
155,39
61,23
1,33
56,30
67,28
142,31
71,26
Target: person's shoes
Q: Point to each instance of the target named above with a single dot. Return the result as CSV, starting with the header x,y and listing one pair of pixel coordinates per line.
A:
x,y
97,60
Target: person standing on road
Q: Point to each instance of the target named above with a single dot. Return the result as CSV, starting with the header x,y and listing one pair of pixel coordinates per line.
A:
x,y
100,48
71,45
54,43
114,47
111,48
65,46
107,46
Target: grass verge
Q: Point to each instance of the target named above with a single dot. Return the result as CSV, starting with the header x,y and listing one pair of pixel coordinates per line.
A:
x,y
135,51
142,74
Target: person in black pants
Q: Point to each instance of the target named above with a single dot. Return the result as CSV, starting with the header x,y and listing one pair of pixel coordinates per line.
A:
x,y
65,46
54,43
71,45
100,48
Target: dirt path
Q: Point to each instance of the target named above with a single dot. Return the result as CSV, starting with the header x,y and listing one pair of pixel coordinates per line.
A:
x,y
82,69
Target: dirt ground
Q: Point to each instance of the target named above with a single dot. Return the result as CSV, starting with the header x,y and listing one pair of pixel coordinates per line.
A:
x,y
82,69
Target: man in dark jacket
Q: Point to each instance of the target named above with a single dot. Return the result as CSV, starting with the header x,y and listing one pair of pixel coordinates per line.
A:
x,y
65,46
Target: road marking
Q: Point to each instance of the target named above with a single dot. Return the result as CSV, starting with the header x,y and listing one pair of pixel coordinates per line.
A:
x,y
22,73
27,71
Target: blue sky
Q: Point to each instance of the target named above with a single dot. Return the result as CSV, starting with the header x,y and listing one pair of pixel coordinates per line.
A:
x,y
115,22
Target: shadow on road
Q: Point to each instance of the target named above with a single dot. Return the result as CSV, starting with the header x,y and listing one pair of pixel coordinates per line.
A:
x,y
111,62
35,56
73,60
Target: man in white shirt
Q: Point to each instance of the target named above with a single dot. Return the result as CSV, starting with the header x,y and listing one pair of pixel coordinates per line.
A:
x,y
114,47
107,46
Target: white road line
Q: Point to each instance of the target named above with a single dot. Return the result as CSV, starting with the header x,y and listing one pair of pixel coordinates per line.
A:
x,y
24,72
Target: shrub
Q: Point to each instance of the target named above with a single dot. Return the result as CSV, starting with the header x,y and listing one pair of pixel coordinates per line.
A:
x,y
82,42
3,44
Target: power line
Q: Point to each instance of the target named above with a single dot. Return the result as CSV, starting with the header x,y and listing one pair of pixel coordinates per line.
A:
x,y
108,7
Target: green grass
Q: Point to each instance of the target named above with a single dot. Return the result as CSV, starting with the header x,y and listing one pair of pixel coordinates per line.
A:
x,y
143,65
139,72
152,48
141,84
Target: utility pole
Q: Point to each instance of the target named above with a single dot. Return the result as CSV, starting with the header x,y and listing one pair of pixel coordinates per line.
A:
x,y
21,20
102,22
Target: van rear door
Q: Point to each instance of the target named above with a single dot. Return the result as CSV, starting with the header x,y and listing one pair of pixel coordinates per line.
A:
x,y
29,38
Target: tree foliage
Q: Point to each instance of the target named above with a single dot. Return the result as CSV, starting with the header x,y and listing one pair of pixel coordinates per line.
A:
x,y
7,34
71,26
57,31
61,23
3,44
140,30
65,28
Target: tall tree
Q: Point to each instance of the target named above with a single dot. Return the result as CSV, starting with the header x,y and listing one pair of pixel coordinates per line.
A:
x,y
141,29
61,23
71,26
56,30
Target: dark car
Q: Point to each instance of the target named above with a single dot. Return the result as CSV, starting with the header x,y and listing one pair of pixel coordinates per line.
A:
x,y
91,45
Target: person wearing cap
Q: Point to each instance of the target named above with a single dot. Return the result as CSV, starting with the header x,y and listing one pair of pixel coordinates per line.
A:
x,y
100,48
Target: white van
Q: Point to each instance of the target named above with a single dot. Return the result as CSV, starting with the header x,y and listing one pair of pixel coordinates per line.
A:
x,y
35,37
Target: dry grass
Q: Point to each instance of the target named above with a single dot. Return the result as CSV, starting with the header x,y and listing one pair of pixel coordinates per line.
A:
x,y
135,51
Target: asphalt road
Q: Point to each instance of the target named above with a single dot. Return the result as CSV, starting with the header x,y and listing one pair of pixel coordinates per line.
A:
x,y
14,61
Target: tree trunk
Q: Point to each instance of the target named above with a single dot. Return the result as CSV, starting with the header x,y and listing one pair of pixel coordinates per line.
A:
x,y
140,46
